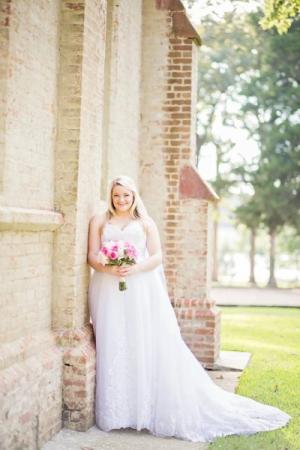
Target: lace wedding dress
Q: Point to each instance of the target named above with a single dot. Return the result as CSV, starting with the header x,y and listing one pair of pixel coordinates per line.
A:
x,y
146,376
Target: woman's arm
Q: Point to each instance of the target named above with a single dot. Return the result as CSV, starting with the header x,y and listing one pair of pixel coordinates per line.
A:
x,y
94,243
153,247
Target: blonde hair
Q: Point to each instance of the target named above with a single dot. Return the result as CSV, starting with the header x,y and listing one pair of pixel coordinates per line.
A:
x,y
137,209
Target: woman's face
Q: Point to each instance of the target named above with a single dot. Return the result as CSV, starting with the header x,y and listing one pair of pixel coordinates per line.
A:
x,y
122,198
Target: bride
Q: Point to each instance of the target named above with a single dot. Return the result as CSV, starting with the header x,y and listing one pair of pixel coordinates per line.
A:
x,y
146,376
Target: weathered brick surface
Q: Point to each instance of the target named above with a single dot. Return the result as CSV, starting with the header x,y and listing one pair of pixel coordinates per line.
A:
x,y
168,132
30,111
122,89
78,153
52,151
5,16
26,271
31,365
89,89
77,189
155,48
30,397
79,369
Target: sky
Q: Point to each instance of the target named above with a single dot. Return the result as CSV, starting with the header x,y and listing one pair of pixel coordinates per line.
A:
x,y
201,8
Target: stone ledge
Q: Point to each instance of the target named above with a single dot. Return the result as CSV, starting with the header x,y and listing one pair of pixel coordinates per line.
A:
x,y
232,361
118,439
25,219
226,379
73,337
25,347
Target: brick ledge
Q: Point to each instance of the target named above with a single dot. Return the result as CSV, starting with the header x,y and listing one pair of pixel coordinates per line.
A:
x,y
192,185
26,219
181,24
25,347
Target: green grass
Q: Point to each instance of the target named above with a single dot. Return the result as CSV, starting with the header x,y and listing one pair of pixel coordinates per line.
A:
x,y
272,336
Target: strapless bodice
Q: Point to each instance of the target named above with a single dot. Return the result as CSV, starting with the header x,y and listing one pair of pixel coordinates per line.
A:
x,y
133,232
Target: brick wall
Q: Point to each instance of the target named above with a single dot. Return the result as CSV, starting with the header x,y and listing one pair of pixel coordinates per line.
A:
x,y
30,392
52,151
30,115
30,363
87,92
122,93
155,49
77,188
26,268
5,14
179,199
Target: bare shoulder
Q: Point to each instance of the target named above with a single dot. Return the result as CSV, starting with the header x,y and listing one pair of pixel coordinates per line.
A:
x,y
149,224
98,220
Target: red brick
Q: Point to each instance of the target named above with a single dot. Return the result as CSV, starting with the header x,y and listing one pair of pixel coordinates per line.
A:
x,y
184,47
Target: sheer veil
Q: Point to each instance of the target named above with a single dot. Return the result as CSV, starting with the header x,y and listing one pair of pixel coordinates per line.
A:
x,y
144,214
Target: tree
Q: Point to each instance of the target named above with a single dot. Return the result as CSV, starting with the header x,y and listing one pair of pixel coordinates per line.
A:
x,y
277,13
272,203
280,14
259,70
249,214
289,243
224,57
271,106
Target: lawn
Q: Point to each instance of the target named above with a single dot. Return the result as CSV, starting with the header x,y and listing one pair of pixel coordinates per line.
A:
x,y
272,336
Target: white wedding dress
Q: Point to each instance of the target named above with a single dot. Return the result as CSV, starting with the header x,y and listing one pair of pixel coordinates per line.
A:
x,y
146,376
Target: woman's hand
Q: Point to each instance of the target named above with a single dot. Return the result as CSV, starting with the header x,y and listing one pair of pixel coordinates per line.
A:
x,y
121,271
113,270
128,270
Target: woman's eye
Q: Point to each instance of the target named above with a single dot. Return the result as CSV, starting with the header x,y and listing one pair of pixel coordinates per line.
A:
x,y
117,195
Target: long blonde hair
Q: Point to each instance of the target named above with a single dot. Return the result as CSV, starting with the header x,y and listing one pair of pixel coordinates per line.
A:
x,y
137,209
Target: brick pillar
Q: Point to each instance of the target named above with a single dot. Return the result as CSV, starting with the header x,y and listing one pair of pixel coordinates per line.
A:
x,y
5,10
30,362
77,189
180,200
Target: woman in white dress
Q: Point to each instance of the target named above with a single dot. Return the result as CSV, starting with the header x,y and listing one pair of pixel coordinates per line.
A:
x,y
146,376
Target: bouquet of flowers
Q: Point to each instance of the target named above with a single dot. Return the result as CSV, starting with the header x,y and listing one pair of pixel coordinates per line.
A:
x,y
118,253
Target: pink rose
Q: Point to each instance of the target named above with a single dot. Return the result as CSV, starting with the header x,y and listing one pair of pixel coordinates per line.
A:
x,y
113,255
104,250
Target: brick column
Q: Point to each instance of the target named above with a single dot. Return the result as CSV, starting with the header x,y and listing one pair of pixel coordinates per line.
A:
x,y
77,191
180,200
5,9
